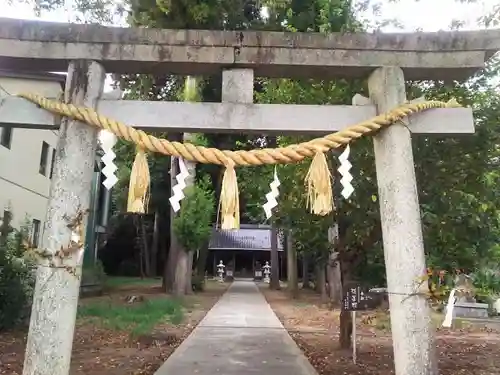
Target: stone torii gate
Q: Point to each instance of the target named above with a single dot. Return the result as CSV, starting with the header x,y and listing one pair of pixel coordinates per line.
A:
x,y
88,51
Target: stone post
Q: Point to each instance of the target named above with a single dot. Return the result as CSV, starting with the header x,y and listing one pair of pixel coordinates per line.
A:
x,y
237,86
55,300
402,231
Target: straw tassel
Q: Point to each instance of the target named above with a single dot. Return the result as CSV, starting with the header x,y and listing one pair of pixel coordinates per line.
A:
x,y
229,200
319,186
138,189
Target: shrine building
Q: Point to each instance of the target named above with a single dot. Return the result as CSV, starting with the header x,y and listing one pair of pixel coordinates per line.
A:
x,y
243,251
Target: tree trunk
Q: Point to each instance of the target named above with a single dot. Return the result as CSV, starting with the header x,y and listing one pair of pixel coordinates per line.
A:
x,y
201,263
189,273
191,168
172,261
141,262
334,280
164,236
317,276
321,281
339,268
155,245
170,266
275,267
164,258
293,283
333,271
145,246
181,272
306,282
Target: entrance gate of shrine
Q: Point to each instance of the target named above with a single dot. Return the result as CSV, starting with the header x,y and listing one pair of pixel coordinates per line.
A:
x,y
87,52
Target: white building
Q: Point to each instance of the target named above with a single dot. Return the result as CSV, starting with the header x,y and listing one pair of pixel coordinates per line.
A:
x,y
26,155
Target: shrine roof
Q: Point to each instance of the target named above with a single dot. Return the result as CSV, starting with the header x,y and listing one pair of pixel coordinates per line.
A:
x,y
48,46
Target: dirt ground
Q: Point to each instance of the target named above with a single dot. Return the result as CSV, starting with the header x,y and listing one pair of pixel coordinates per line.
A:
x,y
464,349
99,351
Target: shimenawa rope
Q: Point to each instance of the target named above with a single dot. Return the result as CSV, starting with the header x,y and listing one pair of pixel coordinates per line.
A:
x,y
318,180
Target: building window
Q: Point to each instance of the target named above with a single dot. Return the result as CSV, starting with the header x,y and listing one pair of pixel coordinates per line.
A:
x,y
44,156
52,163
6,136
35,238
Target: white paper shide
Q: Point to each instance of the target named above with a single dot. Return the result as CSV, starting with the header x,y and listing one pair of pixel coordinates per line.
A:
x,y
345,167
272,195
108,141
181,185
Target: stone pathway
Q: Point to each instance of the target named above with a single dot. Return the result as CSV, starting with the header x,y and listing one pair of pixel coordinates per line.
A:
x,y
241,335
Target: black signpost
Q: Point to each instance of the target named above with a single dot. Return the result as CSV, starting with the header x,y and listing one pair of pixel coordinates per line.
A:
x,y
356,298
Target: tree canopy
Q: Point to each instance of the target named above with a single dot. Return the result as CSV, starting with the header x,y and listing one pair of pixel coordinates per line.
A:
x,y
457,176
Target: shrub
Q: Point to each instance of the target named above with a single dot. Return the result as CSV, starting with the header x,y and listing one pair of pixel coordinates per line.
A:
x,y
193,225
17,281
486,280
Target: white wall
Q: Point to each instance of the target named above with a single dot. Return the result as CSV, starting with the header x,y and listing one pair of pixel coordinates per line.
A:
x,y
23,190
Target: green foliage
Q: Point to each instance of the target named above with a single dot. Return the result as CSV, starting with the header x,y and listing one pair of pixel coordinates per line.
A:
x,y
193,225
310,231
458,180
125,153
192,14
17,282
487,283
82,11
138,318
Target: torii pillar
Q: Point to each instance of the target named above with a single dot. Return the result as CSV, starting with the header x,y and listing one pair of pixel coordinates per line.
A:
x,y
411,325
55,299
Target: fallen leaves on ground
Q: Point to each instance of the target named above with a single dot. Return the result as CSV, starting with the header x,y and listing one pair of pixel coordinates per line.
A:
x,y
472,349
101,351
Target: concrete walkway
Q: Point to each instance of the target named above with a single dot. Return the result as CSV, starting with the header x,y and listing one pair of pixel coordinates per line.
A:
x,y
241,335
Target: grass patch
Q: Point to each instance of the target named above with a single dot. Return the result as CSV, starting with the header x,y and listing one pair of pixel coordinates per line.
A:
x,y
139,318
119,281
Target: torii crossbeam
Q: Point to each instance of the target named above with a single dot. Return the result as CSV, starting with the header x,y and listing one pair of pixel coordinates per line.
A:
x,y
88,51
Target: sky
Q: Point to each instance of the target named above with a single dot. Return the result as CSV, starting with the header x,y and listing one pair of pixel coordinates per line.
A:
x,y
432,15
427,15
